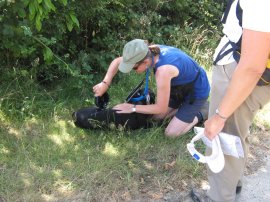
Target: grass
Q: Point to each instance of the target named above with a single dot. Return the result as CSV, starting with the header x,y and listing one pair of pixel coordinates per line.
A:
x,y
54,160
44,157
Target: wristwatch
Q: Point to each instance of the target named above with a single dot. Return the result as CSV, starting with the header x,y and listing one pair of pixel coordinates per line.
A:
x,y
134,108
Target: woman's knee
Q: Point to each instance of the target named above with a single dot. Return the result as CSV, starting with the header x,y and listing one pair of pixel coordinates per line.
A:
x,y
171,132
178,127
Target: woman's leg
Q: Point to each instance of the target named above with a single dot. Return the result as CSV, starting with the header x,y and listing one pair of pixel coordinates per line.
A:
x,y
185,118
177,127
170,112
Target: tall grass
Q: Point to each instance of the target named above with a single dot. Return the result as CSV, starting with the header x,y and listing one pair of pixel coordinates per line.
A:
x,y
50,159
44,157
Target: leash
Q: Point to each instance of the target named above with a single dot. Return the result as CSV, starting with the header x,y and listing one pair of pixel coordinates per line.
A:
x,y
145,92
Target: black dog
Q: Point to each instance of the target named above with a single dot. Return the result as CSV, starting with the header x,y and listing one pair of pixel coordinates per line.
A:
x,y
98,117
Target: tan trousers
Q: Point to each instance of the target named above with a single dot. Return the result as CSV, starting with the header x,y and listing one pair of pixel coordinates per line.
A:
x,y
223,184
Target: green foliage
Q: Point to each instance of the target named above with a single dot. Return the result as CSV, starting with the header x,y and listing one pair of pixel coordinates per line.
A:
x,y
57,33
22,38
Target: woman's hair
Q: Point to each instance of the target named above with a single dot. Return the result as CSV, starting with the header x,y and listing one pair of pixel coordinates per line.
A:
x,y
154,49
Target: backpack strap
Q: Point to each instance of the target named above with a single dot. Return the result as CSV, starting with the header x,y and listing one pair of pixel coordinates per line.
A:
x,y
222,54
179,92
192,99
235,47
239,12
145,92
226,12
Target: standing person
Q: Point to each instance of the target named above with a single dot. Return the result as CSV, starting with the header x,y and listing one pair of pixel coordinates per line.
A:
x,y
182,85
239,90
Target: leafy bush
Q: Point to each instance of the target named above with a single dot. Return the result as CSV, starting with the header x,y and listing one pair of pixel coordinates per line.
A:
x,y
76,40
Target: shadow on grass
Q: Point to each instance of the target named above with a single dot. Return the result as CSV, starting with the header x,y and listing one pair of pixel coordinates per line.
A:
x,y
51,160
44,157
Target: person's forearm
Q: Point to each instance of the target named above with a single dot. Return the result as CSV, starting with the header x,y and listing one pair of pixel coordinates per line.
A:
x,y
151,109
112,70
240,87
143,109
255,51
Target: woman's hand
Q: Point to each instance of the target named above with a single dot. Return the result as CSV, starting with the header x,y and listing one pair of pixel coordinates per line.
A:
x,y
100,88
213,126
124,108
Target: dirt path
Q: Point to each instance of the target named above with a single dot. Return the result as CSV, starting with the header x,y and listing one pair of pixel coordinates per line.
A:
x,y
257,176
257,185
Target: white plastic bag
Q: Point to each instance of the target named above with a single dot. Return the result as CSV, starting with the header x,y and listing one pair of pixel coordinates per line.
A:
x,y
230,144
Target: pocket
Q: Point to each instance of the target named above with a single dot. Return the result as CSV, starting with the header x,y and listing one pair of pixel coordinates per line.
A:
x,y
229,70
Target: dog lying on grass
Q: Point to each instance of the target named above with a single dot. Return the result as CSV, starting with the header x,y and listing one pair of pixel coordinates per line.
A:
x,y
99,117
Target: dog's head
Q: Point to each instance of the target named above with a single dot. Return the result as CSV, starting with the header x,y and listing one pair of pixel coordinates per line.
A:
x,y
102,101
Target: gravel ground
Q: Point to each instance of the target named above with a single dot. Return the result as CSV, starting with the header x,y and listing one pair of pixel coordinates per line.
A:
x,y
256,188
257,185
257,175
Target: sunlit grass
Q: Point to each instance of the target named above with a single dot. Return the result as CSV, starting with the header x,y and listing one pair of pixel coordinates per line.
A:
x,y
46,158
51,160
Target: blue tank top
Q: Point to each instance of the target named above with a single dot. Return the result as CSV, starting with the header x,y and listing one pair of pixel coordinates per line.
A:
x,y
188,70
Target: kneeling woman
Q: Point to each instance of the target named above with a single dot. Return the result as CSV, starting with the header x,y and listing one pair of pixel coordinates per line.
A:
x,y
182,85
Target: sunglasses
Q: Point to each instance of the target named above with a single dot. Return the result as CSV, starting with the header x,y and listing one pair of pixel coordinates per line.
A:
x,y
136,66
